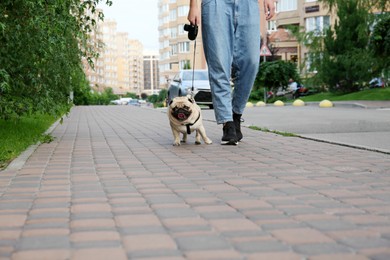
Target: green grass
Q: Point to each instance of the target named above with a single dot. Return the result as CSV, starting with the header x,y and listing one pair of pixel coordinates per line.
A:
x,y
378,94
18,135
272,131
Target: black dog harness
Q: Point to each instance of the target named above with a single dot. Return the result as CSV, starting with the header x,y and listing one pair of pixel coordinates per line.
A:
x,y
189,125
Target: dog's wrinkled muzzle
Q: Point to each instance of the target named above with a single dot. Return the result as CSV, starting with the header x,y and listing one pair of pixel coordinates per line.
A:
x,y
181,114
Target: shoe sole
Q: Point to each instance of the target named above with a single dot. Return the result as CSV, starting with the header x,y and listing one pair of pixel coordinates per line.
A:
x,y
230,142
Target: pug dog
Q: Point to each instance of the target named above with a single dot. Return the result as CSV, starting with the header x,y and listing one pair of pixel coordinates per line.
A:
x,y
185,117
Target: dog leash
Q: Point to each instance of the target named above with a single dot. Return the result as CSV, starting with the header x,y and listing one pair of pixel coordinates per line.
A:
x,y
193,71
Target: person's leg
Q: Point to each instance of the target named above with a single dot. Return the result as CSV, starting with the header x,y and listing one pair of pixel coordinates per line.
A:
x,y
218,33
246,56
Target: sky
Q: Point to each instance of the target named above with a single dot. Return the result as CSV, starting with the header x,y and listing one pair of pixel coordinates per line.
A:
x,y
139,18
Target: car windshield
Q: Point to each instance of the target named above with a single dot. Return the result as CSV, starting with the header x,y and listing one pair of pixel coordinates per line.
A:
x,y
198,75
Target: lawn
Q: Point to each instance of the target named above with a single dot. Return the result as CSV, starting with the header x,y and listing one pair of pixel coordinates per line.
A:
x,y
18,135
378,94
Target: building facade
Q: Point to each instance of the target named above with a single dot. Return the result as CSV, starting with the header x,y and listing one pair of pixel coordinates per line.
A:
x,y
151,73
311,15
120,63
176,50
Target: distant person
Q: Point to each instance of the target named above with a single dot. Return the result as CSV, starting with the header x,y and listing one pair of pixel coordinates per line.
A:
x,y
292,85
231,41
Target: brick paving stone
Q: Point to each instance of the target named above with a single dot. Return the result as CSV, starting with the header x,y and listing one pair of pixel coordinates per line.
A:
x,y
202,242
155,254
44,242
275,255
339,257
149,242
329,225
322,248
355,233
99,254
137,220
227,254
364,242
376,253
111,185
54,254
12,221
301,236
250,247
175,212
10,234
94,236
92,224
237,224
45,232
138,230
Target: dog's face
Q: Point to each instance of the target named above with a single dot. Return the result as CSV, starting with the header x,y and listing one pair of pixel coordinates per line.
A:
x,y
181,108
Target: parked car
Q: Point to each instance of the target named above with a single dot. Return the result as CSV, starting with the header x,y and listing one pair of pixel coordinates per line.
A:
x,y
134,102
121,101
181,85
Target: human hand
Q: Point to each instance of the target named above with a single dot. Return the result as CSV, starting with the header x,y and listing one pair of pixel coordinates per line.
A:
x,y
194,14
269,8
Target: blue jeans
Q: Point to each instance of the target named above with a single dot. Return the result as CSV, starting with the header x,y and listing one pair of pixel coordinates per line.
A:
x,y
231,41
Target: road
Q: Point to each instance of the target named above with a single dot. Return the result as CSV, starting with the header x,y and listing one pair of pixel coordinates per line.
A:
x,y
358,125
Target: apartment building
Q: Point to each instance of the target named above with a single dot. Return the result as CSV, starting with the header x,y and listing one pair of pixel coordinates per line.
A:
x,y
311,15
95,73
151,73
120,64
176,50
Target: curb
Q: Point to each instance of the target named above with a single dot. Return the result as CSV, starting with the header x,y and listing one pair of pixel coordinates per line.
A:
x,y
17,163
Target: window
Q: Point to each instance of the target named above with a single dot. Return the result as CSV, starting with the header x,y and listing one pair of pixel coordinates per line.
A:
x,y
309,62
271,25
318,23
184,47
172,15
173,32
307,1
173,49
286,5
184,64
183,10
180,29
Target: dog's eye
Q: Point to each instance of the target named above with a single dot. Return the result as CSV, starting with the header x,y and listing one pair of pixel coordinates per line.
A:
x,y
186,108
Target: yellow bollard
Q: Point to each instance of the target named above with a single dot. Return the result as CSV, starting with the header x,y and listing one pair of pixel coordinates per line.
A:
x,y
261,104
298,103
278,103
326,103
249,104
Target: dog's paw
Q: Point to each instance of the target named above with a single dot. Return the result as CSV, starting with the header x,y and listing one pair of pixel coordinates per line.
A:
x,y
197,142
208,141
176,144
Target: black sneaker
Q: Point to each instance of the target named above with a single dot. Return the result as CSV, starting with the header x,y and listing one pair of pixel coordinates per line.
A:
x,y
237,124
229,134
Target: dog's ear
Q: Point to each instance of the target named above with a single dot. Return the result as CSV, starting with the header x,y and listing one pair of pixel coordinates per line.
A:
x,y
170,102
191,100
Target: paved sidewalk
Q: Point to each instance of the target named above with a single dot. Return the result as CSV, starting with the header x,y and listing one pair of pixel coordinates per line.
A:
x,y
112,186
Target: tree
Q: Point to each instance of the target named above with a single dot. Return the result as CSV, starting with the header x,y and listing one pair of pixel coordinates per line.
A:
x,y
42,45
380,43
276,74
340,55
